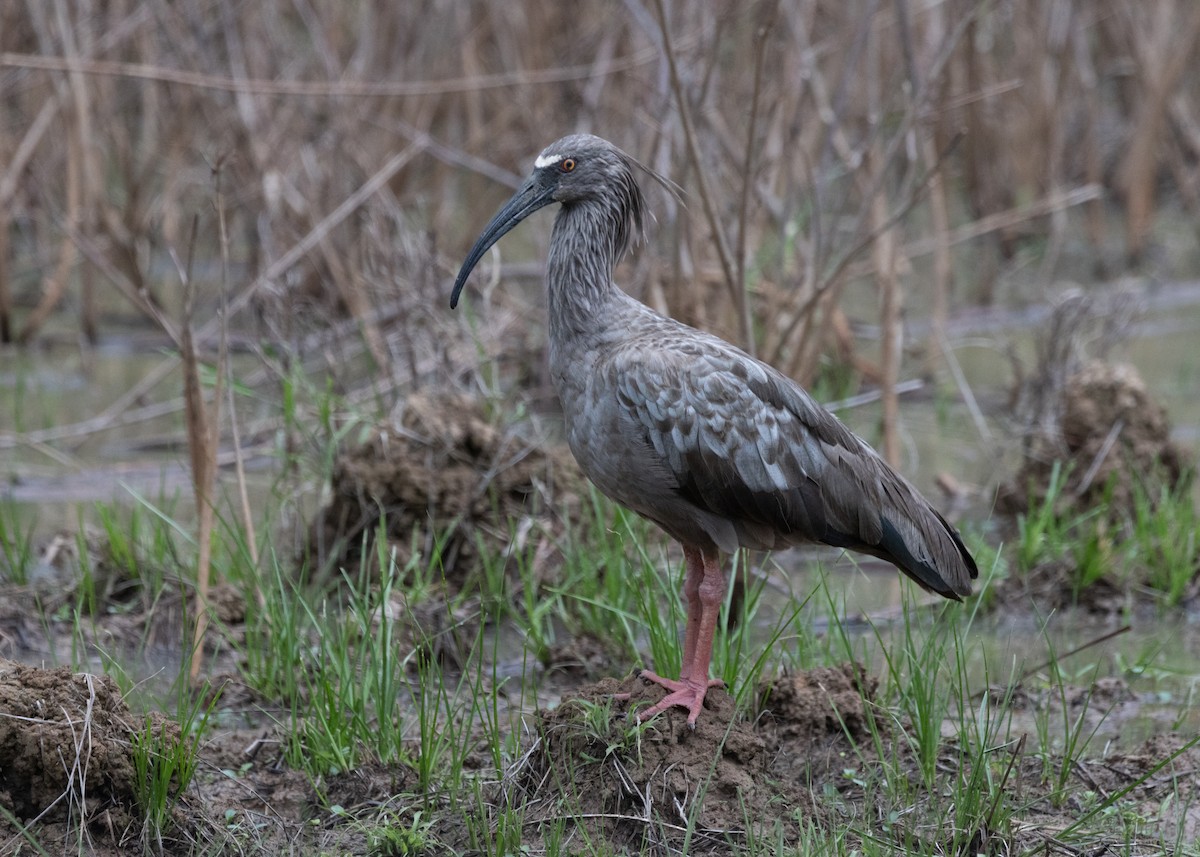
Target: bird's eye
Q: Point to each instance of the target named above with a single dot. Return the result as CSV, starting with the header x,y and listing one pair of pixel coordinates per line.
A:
x,y
567,165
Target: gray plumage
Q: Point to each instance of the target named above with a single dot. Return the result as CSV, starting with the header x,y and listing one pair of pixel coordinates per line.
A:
x,y
717,448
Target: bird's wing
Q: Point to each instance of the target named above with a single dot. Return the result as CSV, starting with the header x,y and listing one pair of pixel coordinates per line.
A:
x,y
747,444
736,449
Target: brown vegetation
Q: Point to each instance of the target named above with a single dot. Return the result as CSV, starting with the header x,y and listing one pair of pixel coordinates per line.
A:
x,y
323,169
812,130
1093,420
310,175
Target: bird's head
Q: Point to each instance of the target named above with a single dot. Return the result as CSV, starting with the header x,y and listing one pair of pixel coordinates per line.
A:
x,y
575,170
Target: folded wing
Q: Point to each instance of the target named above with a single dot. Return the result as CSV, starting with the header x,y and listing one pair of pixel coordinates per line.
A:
x,y
748,445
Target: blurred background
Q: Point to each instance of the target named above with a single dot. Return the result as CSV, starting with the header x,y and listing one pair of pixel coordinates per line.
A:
x,y
895,197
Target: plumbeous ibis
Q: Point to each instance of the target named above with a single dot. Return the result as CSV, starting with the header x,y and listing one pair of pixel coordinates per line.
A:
x,y
719,449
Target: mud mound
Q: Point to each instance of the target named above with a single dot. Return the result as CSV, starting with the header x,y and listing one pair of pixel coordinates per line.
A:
x,y
593,764
1109,435
580,656
67,737
813,718
371,783
440,465
823,701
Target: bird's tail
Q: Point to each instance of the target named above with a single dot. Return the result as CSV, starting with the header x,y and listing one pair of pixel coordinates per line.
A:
x,y
931,552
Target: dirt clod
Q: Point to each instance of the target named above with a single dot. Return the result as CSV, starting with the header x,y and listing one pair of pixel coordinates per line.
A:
x,y
1109,435
821,701
66,739
580,656
814,717
639,782
439,465
369,783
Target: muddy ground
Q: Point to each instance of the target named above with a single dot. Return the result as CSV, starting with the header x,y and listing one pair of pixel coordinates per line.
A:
x,y
786,766
66,746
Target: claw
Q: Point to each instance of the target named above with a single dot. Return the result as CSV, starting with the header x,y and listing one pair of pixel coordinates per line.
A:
x,y
684,693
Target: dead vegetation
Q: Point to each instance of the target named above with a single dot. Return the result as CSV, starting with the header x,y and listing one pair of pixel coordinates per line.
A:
x,y
66,748
830,159
724,787
314,192
322,167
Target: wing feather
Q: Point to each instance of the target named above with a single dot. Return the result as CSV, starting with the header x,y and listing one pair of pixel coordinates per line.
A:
x,y
747,445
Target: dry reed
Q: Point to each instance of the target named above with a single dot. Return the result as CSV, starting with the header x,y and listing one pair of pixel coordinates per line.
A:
x,y
361,146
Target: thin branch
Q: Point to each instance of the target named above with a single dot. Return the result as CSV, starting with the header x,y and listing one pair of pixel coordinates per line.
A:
x,y
760,41
833,277
332,89
689,133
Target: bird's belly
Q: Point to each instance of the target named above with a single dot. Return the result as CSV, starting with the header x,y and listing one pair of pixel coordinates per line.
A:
x,y
617,456
608,459
626,469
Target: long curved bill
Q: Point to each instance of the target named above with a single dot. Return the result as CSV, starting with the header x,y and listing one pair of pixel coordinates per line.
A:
x,y
529,197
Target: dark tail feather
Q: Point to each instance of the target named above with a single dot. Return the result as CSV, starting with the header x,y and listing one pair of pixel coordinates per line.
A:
x,y
952,581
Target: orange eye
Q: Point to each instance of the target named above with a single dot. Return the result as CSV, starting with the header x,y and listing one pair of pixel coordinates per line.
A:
x,y
567,165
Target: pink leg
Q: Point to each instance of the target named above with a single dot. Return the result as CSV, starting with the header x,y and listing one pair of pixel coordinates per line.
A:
x,y
704,589
691,594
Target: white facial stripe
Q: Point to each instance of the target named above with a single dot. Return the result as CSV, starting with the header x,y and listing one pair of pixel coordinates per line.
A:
x,y
546,160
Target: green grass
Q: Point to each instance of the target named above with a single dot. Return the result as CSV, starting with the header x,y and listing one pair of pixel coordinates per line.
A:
x,y
1154,547
17,552
349,667
165,764
392,667
1166,542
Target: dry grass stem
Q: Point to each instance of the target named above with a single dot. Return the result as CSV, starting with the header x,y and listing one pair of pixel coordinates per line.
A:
x,y
202,423
884,256
702,183
1166,48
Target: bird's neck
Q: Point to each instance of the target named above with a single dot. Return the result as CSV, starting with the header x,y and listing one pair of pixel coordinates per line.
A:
x,y
586,245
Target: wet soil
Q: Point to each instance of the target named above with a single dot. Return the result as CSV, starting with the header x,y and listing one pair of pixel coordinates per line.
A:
x,y
67,749
1109,443
792,760
629,784
585,769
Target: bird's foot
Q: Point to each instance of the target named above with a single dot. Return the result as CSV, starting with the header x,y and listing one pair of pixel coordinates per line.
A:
x,y
685,693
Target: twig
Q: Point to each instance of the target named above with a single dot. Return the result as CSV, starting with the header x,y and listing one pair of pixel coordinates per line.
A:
x,y
964,389
1103,805
842,267
29,143
890,298
1101,454
1103,638
273,272
710,212
909,386
760,40
332,89
226,369
1012,761
315,235
128,290
1048,204
202,445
